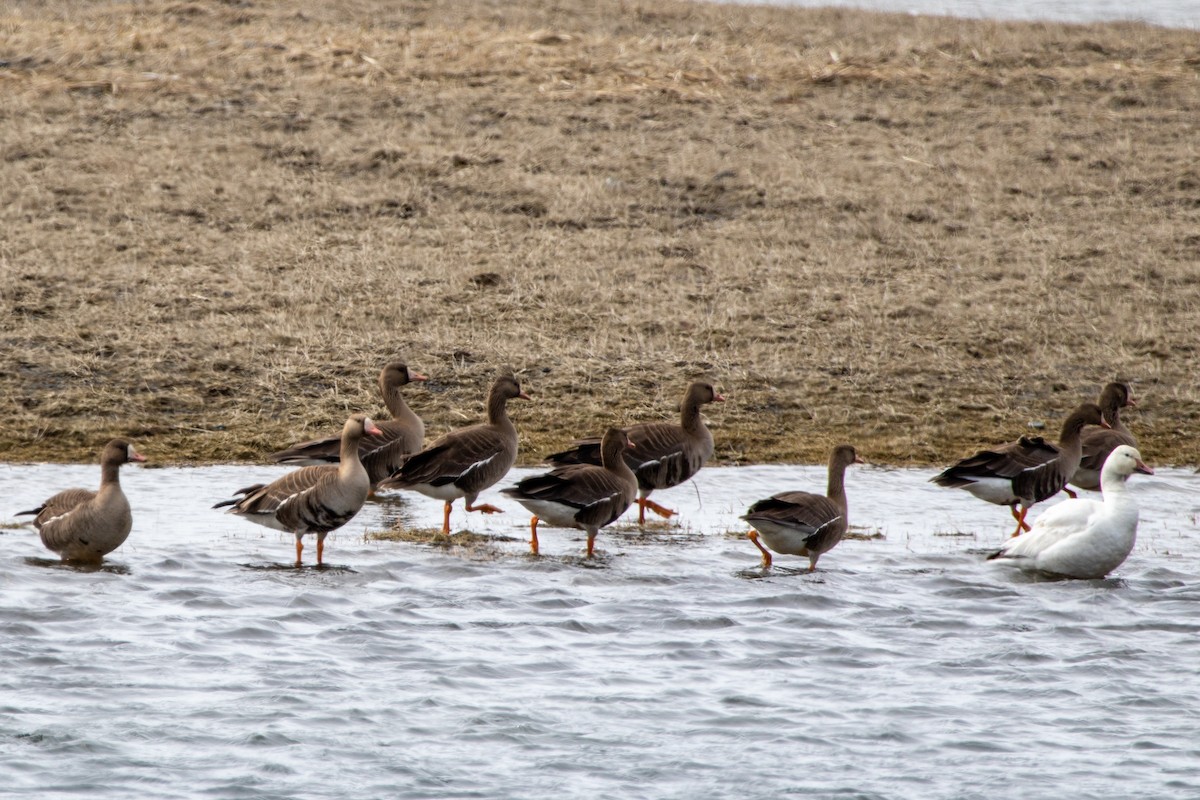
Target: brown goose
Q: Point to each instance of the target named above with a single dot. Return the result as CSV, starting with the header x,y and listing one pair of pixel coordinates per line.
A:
x,y
581,496
381,454
82,525
311,499
1024,472
667,454
1098,442
802,523
464,462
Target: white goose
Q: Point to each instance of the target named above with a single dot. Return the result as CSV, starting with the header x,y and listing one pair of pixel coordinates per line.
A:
x,y
1084,538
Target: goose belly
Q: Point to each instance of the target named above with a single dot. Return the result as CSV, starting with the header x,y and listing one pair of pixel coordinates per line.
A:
x,y
783,538
993,490
558,515
266,518
1088,556
447,492
80,538
92,545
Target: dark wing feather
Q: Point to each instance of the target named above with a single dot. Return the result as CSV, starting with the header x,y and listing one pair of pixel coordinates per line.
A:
x,y
61,503
381,454
1043,481
661,457
1006,461
266,499
296,500
582,451
307,510
470,458
801,509
598,494
1099,442
820,520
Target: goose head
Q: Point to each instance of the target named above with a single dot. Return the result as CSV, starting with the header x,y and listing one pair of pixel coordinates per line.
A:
x,y
1125,461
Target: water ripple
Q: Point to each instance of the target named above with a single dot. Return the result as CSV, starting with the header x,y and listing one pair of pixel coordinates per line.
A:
x,y
673,666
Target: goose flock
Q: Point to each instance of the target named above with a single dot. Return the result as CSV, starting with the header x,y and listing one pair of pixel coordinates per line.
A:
x,y
597,479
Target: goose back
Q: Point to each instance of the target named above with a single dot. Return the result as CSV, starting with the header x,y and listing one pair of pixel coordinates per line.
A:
x,y
464,462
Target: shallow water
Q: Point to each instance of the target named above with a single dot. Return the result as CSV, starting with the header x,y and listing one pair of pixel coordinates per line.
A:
x,y
197,663
1165,13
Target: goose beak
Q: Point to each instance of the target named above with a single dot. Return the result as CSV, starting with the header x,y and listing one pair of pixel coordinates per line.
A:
x,y
134,455
718,397
416,376
1141,467
524,396
1104,423
372,429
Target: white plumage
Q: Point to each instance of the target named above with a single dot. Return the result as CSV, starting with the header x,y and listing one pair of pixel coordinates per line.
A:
x,y
1084,538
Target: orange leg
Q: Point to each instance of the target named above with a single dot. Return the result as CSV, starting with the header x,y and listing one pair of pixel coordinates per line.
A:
x,y
485,508
320,551
753,536
533,542
1070,493
299,551
591,545
446,519
644,503
1020,518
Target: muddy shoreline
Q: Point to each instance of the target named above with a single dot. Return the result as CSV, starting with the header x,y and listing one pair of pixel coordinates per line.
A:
x,y
918,234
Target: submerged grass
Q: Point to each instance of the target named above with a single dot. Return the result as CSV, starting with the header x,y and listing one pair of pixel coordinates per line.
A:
x,y
917,234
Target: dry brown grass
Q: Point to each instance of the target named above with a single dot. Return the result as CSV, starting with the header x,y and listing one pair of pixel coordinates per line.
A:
x,y
917,234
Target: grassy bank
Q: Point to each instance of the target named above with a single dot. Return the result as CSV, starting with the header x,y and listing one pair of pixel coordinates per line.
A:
x,y
915,234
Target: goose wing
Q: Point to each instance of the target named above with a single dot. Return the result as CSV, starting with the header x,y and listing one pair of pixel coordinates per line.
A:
x,y
813,516
1006,461
1057,524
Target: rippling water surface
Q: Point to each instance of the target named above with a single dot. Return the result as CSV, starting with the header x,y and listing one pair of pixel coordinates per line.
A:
x,y
1166,13
197,663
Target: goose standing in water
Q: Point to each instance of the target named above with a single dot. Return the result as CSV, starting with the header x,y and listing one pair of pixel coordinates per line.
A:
x,y
667,454
315,499
581,496
1081,538
382,453
1024,472
84,526
464,462
802,523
